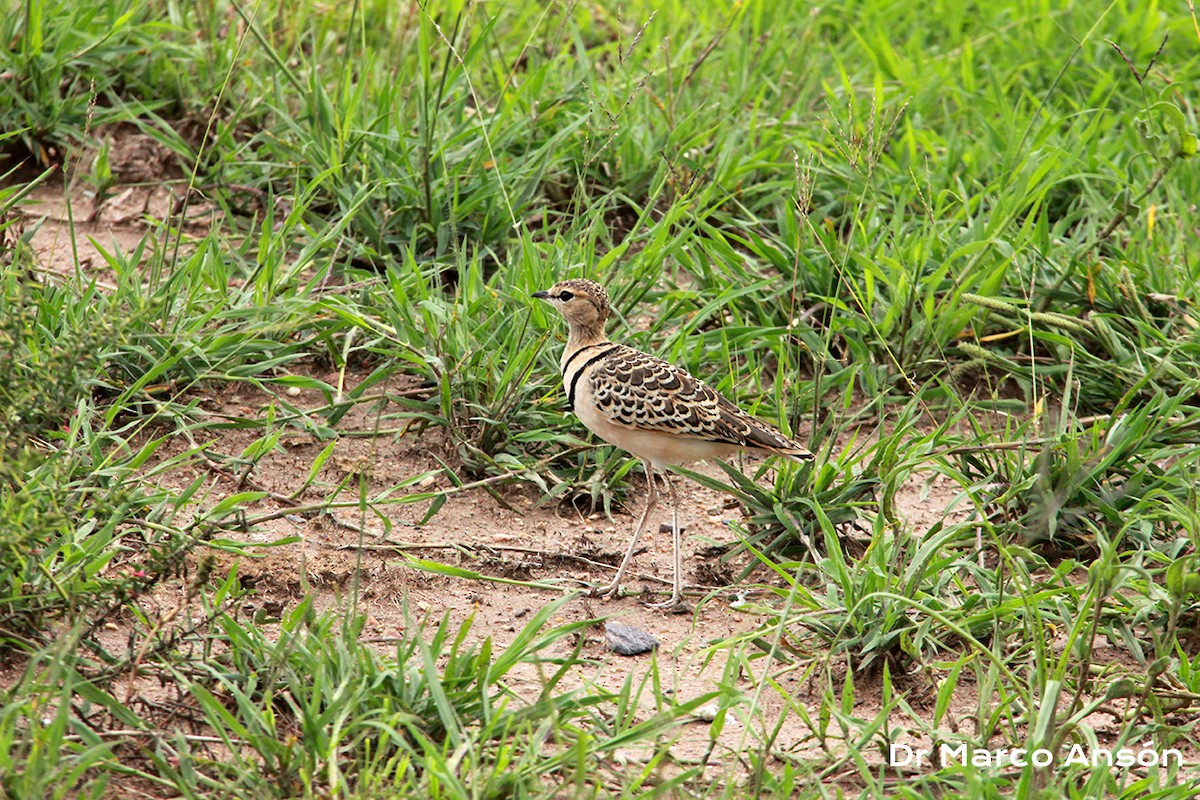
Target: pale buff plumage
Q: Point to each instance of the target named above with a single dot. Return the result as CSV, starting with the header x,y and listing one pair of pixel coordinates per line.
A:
x,y
649,407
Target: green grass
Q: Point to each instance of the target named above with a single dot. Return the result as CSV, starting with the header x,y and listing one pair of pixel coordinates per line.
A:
x,y
942,239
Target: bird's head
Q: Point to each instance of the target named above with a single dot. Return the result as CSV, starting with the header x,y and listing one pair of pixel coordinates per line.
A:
x,y
583,303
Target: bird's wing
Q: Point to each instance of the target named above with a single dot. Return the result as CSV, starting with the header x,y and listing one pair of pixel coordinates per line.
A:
x,y
642,392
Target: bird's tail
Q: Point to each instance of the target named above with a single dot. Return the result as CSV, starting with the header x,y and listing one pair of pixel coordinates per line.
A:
x,y
797,453
767,438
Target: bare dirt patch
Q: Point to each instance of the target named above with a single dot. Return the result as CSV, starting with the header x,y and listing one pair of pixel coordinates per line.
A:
x,y
76,221
345,558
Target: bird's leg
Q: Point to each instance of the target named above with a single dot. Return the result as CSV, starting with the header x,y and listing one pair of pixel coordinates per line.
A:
x,y
676,600
612,589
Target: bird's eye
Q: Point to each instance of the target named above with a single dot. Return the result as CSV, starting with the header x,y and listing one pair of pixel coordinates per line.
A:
x,y
566,296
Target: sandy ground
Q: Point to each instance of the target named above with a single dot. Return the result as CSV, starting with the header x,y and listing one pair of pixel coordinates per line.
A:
x,y
547,544
342,557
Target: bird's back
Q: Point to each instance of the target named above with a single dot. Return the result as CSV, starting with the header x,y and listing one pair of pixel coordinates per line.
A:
x,y
658,411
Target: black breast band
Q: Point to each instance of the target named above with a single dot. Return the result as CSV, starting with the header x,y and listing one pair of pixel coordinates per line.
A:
x,y
579,372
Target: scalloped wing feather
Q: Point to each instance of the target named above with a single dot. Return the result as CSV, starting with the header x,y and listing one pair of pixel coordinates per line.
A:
x,y
638,391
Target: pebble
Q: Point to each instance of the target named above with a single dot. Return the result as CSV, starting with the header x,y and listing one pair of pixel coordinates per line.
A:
x,y
626,640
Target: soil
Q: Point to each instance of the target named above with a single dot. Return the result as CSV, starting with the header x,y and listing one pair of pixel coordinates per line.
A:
x,y
345,559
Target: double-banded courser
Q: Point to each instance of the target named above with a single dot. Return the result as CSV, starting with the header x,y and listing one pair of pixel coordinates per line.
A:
x,y
650,408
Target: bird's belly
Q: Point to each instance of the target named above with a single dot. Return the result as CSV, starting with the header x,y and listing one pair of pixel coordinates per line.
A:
x,y
659,448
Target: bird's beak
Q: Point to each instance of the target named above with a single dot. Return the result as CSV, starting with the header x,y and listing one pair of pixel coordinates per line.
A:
x,y
542,295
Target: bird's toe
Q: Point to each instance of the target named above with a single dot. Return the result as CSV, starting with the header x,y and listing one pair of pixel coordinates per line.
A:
x,y
676,605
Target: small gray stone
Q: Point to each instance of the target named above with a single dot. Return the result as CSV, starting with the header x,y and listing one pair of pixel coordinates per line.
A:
x,y
626,640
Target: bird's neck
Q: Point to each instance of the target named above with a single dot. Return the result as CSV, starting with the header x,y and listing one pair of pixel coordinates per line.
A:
x,y
583,337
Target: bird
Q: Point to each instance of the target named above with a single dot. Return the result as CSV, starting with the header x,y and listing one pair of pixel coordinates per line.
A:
x,y
650,408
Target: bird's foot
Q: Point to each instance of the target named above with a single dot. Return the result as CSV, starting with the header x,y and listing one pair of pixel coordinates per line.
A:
x,y
676,604
605,592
